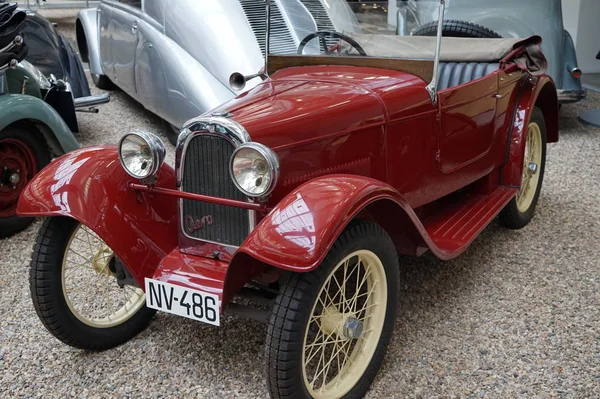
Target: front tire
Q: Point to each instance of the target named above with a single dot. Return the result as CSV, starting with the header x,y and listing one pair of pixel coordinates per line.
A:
x,y
520,210
329,329
75,292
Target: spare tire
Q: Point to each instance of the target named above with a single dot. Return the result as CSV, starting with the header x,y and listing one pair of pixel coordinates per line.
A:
x,y
455,28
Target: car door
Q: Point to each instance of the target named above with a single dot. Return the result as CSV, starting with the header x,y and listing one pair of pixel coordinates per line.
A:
x,y
125,17
467,128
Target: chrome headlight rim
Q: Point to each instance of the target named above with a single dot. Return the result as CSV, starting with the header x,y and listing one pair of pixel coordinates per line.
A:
x,y
270,158
157,148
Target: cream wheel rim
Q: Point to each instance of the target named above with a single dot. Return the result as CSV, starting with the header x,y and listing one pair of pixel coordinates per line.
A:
x,y
532,162
90,287
345,325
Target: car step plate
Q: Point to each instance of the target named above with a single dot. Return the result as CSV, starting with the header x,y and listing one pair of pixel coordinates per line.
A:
x,y
182,301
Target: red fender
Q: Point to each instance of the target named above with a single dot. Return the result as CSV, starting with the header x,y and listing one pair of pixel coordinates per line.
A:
x,y
90,186
540,92
297,234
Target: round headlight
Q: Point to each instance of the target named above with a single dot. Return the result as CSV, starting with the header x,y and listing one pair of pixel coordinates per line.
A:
x,y
141,154
254,169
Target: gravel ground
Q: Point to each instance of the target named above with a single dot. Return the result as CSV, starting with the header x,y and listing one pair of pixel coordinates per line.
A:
x,y
518,315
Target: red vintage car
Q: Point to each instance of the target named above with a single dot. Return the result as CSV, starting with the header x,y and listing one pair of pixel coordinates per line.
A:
x,y
299,195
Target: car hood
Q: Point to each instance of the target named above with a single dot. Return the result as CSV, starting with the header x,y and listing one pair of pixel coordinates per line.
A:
x,y
300,104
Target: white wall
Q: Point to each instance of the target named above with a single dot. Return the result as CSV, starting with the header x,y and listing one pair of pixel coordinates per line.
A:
x,y
571,16
588,36
582,20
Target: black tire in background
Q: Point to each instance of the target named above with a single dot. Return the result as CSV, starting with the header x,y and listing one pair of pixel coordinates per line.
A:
x,y
102,82
456,28
172,132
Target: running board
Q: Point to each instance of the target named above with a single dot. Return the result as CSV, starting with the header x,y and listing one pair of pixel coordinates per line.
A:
x,y
457,225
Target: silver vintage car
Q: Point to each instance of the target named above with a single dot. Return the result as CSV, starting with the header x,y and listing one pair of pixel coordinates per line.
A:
x,y
176,57
501,18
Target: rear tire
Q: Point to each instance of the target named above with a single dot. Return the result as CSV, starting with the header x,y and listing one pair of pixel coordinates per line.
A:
x,y
456,28
520,210
62,309
102,82
309,320
18,146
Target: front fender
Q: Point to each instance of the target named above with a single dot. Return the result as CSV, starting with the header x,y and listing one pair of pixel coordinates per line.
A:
x,y
91,186
297,234
536,92
16,107
87,39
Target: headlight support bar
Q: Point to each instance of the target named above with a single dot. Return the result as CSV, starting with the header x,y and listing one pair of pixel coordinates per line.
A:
x,y
151,189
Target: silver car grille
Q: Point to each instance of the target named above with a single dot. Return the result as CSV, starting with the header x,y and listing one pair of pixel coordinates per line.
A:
x,y
282,41
206,171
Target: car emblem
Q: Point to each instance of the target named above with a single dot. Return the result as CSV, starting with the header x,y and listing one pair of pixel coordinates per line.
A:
x,y
192,225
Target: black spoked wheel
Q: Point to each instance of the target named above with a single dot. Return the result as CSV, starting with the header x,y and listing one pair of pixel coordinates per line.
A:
x,y
330,328
75,290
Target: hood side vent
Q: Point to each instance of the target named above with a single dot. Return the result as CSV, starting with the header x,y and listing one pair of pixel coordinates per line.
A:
x,y
319,13
282,41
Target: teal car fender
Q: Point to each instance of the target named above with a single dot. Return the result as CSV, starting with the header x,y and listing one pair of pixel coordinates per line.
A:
x,y
28,109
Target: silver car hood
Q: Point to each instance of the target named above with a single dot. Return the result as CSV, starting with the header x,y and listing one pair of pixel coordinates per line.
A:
x,y
227,36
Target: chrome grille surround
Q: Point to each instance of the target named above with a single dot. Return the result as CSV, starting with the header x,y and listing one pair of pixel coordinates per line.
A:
x,y
216,127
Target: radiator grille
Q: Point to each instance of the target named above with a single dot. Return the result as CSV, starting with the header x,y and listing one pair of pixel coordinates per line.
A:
x,y
206,171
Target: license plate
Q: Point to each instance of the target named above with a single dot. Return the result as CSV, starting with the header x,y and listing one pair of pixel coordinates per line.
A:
x,y
182,301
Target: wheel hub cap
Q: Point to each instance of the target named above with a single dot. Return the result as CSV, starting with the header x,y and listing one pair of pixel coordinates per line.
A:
x,y
101,262
345,326
14,178
533,168
10,177
353,328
